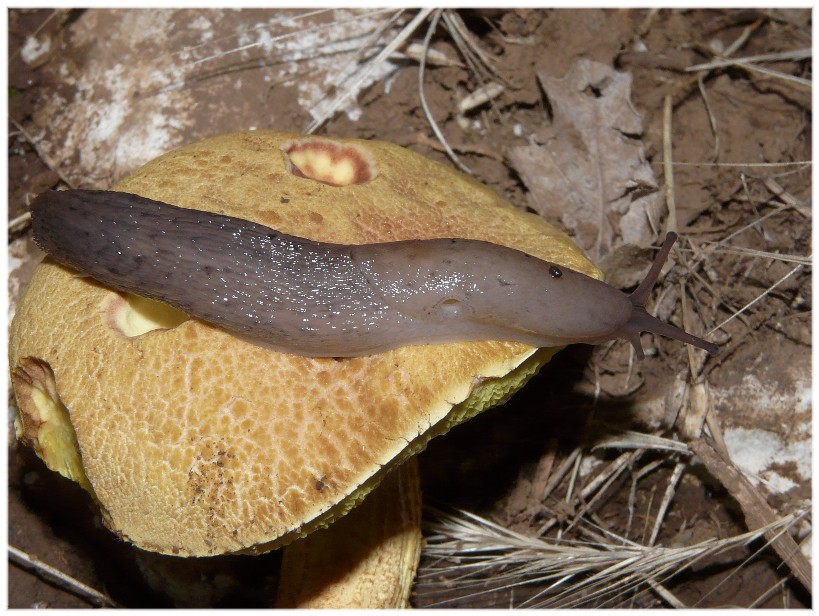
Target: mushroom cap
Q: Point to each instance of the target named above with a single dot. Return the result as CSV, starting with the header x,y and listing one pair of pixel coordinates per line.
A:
x,y
195,442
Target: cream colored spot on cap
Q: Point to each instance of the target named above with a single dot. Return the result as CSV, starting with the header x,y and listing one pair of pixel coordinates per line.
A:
x,y
329,162
133,315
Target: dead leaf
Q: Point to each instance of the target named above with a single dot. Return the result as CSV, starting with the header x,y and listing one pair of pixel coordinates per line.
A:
x,y
626,266
590,173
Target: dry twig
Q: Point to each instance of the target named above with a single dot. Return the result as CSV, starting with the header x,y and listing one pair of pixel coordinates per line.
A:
x,y
797,54
666,502
668,169
433,124
62,580
757,298
43,156
352,85
758,514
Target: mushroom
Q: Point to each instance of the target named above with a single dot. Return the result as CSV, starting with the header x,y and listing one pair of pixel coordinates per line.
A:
x,y
195,442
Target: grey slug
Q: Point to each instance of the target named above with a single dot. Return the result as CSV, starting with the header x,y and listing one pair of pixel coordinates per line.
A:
x,y
333,300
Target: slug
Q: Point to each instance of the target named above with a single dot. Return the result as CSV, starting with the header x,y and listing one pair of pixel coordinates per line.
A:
x,y
334,300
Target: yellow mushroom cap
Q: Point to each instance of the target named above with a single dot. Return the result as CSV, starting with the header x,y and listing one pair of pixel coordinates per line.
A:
x,y
195,442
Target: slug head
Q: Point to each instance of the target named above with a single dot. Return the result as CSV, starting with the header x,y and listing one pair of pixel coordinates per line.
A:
x,y
567,307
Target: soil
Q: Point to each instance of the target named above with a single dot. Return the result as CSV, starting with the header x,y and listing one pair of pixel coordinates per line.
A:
x,y
94,94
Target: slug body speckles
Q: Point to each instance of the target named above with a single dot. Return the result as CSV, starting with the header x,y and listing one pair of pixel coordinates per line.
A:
x,y
323,299
244,277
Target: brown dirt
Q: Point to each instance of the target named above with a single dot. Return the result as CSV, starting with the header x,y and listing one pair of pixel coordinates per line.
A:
x,y
758,383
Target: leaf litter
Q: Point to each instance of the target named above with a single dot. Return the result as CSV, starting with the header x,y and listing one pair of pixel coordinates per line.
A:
x,y
589,170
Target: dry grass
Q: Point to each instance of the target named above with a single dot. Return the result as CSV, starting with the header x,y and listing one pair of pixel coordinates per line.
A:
x,y
469,556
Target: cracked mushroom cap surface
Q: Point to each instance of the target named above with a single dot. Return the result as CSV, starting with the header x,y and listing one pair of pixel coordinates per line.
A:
x,y
195,442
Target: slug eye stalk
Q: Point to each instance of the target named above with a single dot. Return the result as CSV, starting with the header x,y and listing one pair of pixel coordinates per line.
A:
x,y
641,321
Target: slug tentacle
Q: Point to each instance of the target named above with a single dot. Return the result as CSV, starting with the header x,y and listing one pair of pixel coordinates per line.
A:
x,y
332,300
640,294
641,321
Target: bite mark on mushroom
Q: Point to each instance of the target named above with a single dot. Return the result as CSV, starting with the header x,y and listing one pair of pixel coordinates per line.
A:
x,y
43,421
329,162
133,315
